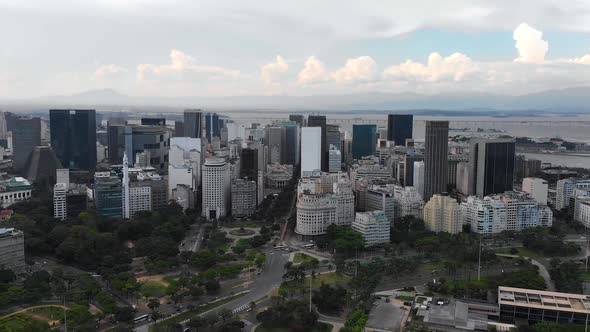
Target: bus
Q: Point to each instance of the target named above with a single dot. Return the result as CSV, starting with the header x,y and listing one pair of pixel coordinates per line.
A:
x,y
140,319
280,247
309,246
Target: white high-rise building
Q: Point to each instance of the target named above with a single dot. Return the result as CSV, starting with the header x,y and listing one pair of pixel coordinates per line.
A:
x,y
311,150
140,199
60,210
374,227
408,202
342,190
180,174
537,188
441,214
126,194
334,159
419,177
216,188
62,175
565,188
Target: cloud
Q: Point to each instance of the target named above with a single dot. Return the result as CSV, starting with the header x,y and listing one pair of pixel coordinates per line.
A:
x,y
530,44
584,60
182,66
358,69
454,67
108,71
269,71
313,71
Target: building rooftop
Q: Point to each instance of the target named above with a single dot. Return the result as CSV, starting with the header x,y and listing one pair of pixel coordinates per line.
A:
x,y
15,184
530,298
6,232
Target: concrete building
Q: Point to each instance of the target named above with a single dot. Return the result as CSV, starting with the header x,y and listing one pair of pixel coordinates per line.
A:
x,y
364,140
399,128
436,155
278,176
216,188
408,202
12,250
243,198
369,169
441,214
298,118
14,190
292,146
140,199
276,141
319,121
410,158
491,166
180,174
60,210
454,161
537,188
334,159
26,134
565,188
184,196
193,123
73,138
374,226
311,150
381,199
462,184
419,177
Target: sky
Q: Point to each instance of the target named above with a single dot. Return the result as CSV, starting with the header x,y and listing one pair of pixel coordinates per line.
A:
x,y
169,48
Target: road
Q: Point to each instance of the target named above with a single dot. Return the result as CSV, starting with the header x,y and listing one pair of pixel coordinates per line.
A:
x,y
542,270
193,239
270,279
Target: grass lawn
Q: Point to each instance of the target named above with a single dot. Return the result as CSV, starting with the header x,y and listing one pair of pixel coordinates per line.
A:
x,y
320,327
51,313
19,323
405,298
165,324
586,276
241,232
153,289
300,258
333,278
522,251
432,266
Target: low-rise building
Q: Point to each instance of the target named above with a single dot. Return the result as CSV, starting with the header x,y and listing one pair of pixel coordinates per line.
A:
x,y
14,190
374,227
408,202
537,188
381,199
184,196
278,175
12,249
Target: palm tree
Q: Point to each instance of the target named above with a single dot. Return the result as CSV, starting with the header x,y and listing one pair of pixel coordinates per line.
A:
x,y
153,304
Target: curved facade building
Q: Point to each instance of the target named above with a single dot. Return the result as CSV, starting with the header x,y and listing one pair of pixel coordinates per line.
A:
x,y
216,188
315,212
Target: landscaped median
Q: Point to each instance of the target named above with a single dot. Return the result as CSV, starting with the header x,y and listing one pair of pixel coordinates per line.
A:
x,y
166,323
38,318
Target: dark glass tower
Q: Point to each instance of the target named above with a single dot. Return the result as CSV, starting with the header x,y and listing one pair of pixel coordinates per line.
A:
x,y
212,125
298,118
320,121
249,164
364,140
26,134
436,149
491,166
73,138
399,128
193,123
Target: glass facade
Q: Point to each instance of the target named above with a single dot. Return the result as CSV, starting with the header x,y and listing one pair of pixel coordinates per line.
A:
x,y
73,138
399,128
364,140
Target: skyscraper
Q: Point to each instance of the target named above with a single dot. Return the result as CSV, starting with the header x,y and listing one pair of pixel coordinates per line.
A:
x,y
216,188
193,123
249,164
26,134
320,121
212,126
298,118
364,140
108,194
73,138
311,149
275,140
436,163
399,128
491,166
291,148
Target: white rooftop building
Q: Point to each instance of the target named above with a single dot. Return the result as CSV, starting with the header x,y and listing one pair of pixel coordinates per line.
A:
x,y
374,226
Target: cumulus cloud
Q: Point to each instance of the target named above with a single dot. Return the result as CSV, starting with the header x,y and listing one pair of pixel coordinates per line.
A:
x,y
108,71
584,60
182,66
313,71
270,71
530,44
454,67
358,69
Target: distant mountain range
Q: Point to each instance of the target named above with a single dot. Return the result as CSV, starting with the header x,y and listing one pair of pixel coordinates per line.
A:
x,y
564,101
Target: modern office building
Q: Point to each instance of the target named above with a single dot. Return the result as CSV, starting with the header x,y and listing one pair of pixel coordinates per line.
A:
x,y
381,199
435,158
216,188
12,249
311,150
213,125
180,174
333,136
408,202
537,188
374,226
108,194
334,159
441,214
155,140
193,123
73,137
526,167
419,177
243,198
491,166
298,118
454,161
292,146
153,121
320,121
533,306
249,163
184,196
410,157
276,141
158,187
26,134
60,210
565,188
399,128
462,178
364,140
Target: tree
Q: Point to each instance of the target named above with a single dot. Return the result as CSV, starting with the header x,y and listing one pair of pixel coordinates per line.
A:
x,y
225,314
212,286
153,304
196,323
124,314
7,276
329,299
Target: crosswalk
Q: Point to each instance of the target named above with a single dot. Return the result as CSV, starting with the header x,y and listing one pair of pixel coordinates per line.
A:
x,y
240,309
